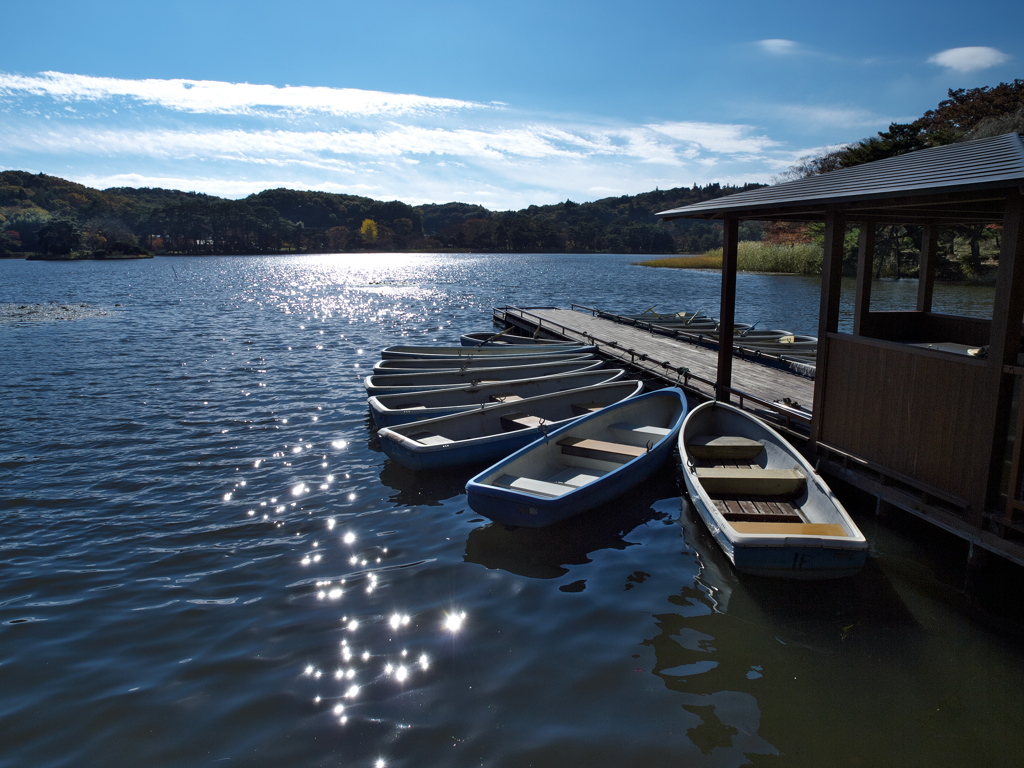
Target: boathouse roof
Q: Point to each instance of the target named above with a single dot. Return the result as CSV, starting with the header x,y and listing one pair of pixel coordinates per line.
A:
x,y
956,182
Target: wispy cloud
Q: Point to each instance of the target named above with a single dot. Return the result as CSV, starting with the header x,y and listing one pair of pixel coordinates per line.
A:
x,y
831,116
233,139
779,47
969,59
214,97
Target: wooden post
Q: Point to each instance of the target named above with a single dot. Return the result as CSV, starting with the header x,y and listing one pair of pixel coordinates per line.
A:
x,y
926,269
730,256
1004,341
828,311
865,261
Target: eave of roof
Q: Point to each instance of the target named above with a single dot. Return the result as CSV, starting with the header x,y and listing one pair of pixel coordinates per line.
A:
x,y
939,181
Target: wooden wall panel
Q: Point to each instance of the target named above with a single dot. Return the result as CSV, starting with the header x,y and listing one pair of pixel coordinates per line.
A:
x,y
907,410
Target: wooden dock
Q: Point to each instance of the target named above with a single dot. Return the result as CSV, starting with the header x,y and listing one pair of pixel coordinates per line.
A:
x,y
691,364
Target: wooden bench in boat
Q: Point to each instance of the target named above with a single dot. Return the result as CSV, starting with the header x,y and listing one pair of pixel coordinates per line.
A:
x,y
724,447
751,481
639,430
429,438
554,486
582,409
791,529
519,420
600,449
504,398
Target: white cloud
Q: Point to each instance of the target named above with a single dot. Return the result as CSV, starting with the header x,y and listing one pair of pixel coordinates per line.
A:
x,y
830,116
969,59
229,139
215,97
716,137
778,47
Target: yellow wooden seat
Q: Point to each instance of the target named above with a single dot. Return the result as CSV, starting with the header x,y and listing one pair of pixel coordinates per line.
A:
x,y
510,422
791,529
751,481
600,449
724,447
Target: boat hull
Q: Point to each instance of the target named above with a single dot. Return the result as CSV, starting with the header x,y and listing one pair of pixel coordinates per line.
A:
x,y
412,364
483,436
823,543
406,407
786,558
380,384
488,495
504,339
460,352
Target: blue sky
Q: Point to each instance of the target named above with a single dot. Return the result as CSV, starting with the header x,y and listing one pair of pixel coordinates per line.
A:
x,y
502,104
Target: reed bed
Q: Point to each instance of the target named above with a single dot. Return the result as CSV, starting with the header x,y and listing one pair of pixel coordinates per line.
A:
x,y
798,259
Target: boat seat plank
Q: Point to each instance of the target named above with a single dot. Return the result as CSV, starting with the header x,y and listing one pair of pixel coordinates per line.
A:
x,y
576,477
600,449
582,409
519,420
429,438
534,486
724,447
751,481
762,509
504,398
793,529
640,430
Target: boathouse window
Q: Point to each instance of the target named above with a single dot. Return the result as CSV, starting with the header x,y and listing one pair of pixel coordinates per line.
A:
x,y
895,295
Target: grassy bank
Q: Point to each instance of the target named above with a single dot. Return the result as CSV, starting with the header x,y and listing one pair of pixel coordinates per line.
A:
x,y
799,259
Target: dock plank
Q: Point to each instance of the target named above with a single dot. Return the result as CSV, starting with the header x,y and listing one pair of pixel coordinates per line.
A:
x,y
666,357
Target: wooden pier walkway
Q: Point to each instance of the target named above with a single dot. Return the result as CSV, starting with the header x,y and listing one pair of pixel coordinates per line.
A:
x,y
765,388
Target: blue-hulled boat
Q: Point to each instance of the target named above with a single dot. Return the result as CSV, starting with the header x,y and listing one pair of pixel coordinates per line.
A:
x,y
484,435
403,407
410,364
499,338
582,464
507,350
408,381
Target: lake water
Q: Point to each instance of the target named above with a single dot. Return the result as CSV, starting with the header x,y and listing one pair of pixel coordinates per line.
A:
x,y
207,560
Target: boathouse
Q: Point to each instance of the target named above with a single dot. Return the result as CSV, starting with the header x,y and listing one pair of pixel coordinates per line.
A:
x,y
917,407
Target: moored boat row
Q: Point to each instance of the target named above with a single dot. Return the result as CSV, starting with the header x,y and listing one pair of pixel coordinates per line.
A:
x,y
563,435
747,337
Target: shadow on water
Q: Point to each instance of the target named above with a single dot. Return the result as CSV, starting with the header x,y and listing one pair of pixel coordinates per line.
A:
x,y
422,487
544,553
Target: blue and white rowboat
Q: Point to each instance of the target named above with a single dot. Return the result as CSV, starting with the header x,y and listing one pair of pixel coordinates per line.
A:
x,y
763,503
583,464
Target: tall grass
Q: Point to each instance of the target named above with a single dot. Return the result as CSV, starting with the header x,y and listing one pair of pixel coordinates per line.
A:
x,y
799,259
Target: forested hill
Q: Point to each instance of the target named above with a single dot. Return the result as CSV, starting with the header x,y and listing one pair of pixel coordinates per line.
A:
x,y
48,215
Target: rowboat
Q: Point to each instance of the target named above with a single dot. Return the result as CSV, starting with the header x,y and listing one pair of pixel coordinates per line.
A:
x,y
650,315
408,364
510,350
403,407
763,503
486,338
410,381
484,435
583,464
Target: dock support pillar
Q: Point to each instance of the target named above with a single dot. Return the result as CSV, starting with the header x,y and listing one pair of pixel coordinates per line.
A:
x,y
828,311
727,310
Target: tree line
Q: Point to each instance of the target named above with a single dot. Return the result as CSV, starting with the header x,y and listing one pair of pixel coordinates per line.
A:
x,y
965,115
53,217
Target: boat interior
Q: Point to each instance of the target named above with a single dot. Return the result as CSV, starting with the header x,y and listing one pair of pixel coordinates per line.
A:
x,y
751,497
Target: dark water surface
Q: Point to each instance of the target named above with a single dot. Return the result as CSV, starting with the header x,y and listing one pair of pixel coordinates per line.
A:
x,y
207,560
